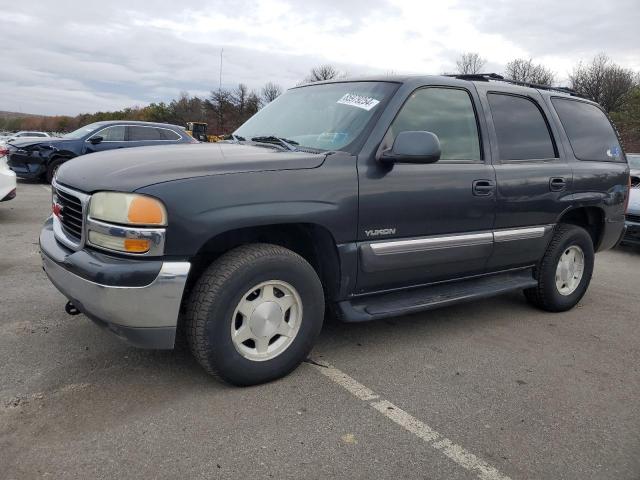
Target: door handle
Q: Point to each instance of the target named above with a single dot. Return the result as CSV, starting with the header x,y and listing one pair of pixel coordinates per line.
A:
x,y
557,184
483,187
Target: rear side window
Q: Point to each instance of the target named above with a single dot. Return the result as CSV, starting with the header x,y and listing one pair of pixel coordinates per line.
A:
x,y
522,131
448,113
590,133
137,133
167,134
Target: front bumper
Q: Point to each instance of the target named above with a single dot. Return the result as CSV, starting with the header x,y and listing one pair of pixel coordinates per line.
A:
x,y
26,166
144,315
632,233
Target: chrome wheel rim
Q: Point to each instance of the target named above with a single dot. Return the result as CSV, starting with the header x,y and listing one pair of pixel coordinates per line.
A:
x,y
266,320
570,270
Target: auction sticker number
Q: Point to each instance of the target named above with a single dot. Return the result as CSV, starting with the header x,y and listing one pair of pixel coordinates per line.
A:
x,y
354,100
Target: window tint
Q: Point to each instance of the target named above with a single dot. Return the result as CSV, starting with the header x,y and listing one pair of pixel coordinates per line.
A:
x,y
449,114
520,127
167,134
137,133
591,135
111,134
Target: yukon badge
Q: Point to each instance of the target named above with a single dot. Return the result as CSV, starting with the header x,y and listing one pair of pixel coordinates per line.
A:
x,y
380,231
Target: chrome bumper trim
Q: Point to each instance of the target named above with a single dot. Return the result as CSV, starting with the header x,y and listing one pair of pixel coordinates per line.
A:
x,y
154,235
153,305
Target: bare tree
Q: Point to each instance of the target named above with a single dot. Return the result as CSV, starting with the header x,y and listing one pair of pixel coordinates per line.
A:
x,y
322,72
524,70
603,81
240,98
470,63
270,92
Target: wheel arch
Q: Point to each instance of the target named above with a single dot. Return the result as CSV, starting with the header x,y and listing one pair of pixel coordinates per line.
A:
x,y
591,218
313,242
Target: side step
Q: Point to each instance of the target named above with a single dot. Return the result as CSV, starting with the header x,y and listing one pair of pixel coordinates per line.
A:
x,y
373,307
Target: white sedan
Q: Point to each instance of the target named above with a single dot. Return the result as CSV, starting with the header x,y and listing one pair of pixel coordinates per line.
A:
x,y
7,178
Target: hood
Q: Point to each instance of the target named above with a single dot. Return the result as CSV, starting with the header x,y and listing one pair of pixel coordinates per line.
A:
x,y
23,142
634,201
133,168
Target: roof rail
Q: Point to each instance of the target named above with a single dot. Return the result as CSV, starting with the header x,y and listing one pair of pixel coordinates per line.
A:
x,y
485,77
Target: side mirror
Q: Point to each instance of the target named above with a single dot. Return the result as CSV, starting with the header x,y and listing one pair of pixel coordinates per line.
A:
x,y
413,147
96,140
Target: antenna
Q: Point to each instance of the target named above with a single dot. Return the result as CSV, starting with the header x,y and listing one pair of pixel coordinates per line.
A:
x,y
220,84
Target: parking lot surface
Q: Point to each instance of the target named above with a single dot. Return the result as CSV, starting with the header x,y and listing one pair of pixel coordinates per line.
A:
x,y
491,389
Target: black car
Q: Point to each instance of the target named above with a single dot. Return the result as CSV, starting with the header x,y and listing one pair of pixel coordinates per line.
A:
x,y
40,158
375,198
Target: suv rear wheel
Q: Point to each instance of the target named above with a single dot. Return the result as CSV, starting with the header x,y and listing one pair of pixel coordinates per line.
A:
x,y
255,314
565,271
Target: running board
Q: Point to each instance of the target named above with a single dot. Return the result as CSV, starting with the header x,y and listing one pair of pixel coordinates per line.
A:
x,y
373,307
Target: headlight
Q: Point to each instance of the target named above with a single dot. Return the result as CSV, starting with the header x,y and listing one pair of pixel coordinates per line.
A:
x,y
125,222
127,209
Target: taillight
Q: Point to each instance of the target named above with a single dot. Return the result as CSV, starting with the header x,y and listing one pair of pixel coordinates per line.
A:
x,y
4,151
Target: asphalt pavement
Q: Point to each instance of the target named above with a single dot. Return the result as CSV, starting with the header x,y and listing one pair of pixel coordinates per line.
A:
x,y
493,390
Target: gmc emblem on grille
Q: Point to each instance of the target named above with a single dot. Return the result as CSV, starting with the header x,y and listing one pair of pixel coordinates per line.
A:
x,y
57,209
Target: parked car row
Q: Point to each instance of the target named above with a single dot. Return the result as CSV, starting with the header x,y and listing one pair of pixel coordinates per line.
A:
x,y
632,234
40,158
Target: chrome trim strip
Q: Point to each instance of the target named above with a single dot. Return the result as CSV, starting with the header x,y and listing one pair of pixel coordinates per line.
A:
x,y
454,241
155,235
526,233
432,243
153,305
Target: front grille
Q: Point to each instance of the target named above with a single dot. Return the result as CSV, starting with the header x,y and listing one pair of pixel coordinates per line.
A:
x,y
70,214
633,218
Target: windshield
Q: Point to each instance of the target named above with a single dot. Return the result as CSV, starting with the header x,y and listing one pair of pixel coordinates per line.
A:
x,y
324,117
82,131
634,161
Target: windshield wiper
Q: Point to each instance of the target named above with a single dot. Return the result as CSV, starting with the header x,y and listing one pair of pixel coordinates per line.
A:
x,y
272,139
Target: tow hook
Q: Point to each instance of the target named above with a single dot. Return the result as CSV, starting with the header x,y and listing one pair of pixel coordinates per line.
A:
x,y
71,309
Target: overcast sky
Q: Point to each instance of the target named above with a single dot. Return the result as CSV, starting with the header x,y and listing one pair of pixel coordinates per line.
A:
x,y
68,57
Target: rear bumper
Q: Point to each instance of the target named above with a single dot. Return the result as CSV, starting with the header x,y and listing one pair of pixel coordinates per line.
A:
x,y
146,316
7,182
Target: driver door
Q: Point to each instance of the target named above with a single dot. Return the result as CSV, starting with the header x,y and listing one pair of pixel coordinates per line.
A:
x,y
423,223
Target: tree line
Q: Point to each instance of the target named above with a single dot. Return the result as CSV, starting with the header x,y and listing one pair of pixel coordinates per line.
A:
x,y
615,88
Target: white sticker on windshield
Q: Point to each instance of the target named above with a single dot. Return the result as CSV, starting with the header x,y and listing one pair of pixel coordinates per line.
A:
x,y
366,103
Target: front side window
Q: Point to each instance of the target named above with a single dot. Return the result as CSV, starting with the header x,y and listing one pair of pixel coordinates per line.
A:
x,y
325,117
137,133
521,129
448,113
112,134
590,134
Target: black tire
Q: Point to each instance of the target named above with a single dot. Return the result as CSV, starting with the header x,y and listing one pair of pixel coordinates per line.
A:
x,y
546,295
216,294
52,168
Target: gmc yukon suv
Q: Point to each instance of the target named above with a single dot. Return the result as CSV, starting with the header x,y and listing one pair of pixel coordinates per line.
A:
x,y
373,198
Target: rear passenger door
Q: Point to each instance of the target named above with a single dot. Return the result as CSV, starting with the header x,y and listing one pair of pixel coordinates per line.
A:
x,y
532,173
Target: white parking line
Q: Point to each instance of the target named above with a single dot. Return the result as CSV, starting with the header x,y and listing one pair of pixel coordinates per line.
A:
x,y
423,431
47,188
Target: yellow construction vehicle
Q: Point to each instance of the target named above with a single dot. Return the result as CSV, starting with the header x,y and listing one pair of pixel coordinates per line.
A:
x,y
198,130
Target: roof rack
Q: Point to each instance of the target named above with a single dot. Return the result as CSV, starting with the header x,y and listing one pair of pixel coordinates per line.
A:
x,y
485,77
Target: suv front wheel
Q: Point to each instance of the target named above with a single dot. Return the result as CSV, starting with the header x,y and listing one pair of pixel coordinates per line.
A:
x,y
564,273
255,314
